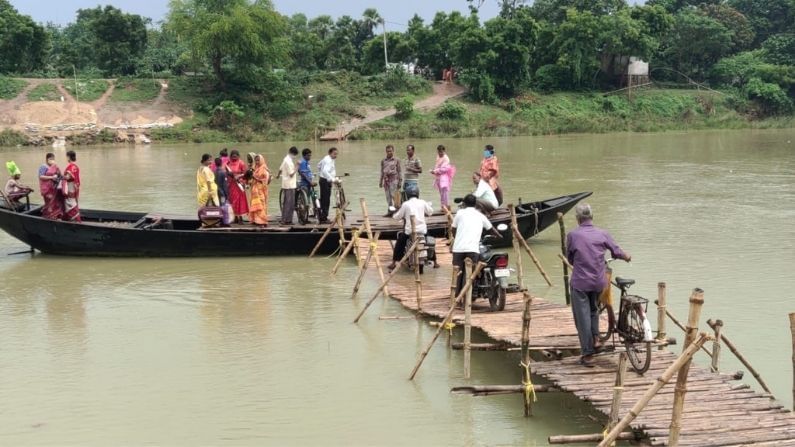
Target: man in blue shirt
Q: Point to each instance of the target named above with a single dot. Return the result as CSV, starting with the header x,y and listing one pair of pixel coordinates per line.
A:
x,y
305,170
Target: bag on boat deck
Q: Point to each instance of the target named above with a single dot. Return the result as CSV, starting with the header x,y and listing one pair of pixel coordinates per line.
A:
x,y
210,216
227,213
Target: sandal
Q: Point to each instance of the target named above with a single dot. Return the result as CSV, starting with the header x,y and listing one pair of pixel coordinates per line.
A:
x,y
586,363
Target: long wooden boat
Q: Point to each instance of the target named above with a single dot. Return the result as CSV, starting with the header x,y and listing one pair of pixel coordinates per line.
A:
x,y
118,233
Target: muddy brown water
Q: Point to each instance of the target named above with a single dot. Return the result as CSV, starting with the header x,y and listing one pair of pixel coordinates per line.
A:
x,y
259,351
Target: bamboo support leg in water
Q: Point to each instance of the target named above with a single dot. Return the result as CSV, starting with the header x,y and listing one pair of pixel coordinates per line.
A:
x,y
516,250
680,326
382,287
660,313
742,359
563,251
454,283
527,382
523,243
465,290
368,228
792,330
416,257
716,347
661,381
371,250
618,390
468,324
322,238
346,251
696,302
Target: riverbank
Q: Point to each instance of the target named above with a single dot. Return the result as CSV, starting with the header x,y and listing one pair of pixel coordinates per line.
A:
x,y
188,110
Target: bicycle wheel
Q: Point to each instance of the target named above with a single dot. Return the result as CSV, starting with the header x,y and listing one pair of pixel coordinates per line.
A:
x,y
606,312
341,202
638,351
302,206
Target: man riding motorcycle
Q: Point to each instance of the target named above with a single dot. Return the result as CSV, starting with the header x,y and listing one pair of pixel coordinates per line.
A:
x,y
418,208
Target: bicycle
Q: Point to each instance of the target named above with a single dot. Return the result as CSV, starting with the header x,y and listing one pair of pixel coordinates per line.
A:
x,y
339,195
632,328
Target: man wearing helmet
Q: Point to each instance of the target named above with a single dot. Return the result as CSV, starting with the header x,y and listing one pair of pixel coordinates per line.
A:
x,y
418,208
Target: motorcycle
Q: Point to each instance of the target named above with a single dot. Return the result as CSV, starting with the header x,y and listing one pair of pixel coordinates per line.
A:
x,y
426,249
492,282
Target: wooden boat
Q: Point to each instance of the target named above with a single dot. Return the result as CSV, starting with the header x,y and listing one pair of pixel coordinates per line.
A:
x,y
118,233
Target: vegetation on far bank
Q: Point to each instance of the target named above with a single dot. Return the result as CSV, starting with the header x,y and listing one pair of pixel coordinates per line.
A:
x,y
44,92
86,90
10,88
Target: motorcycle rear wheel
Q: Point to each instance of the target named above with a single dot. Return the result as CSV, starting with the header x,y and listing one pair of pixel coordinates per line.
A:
x,y
496,295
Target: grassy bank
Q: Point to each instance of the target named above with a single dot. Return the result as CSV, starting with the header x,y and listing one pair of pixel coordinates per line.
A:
x,y
559,113
10,88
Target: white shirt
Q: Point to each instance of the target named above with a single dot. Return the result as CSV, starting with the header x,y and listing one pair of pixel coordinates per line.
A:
x,y
484,192
327,168
289,175
469,224
417,208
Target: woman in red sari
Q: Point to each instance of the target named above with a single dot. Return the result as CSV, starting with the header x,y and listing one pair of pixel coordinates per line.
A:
x,y
258,212
49,176
237,191
71,176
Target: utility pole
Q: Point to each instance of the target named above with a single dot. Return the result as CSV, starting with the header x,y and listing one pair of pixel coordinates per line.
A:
x,y
386,57
77,94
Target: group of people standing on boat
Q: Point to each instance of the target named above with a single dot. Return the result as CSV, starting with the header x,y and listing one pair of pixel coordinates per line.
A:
x,y
224,182
59,189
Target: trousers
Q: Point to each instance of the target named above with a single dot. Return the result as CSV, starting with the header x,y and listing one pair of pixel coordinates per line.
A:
x,y
325,198
458,260
586,317
288,207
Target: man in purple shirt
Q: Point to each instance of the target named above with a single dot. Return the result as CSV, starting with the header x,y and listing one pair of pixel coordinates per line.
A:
x,y
586,247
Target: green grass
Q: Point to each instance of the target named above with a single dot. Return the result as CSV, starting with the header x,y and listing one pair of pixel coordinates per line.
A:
x,y
131,89
10,137
44,92
11,88
87,89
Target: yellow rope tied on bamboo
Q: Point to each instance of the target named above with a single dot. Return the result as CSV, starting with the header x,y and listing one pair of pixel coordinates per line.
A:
x,y
449,326
374,245
529,389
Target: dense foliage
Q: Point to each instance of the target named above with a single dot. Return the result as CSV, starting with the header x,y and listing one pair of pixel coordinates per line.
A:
x,y
254,55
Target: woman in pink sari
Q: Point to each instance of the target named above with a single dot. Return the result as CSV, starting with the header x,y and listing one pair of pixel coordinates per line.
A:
x,y
258,211
49,176
443,172
237,192
71,175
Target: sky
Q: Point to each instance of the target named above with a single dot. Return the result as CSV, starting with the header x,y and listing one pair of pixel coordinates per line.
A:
x,y
396,13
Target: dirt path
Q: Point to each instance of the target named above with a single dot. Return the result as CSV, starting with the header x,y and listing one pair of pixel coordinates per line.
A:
x,y
441,93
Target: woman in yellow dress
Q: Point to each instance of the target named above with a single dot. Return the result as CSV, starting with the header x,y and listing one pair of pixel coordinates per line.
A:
x,y
206,189
261,177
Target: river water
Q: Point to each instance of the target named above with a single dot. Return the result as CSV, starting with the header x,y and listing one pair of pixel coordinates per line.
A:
x,y
262,350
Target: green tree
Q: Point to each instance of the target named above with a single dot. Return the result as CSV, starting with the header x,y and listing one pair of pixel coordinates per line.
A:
x,y
780,49
695,43
741,29
767,17
231,35
23,43
118,39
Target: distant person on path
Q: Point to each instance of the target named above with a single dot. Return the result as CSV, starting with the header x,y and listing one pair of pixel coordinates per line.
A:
x,y
443,173
289,183
490,171
327,171
468,226
413,171
49,178
237,191
221,181
391,177
71,192
484,195
586,246
418,208
206,189
260,178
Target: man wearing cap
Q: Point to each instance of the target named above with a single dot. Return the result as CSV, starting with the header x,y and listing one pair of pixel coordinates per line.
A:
x,y
586,246
490,171
418,208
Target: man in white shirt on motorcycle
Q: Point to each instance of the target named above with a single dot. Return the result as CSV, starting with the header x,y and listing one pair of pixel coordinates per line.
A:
x,y
418,208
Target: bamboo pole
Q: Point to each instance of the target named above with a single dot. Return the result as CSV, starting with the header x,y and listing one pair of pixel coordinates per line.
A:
x,y
563,251
661,381
341,224
323,238
371,247
716,347
618,390
382,287
492,390
518,236
454,283
696,302
741,358
792,331
588,439
416,257
526,379
680,326
468,324
369,230
516,250
346,251
565,261
467,287
661,313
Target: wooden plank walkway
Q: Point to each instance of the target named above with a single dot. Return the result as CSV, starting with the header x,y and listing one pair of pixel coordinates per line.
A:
x,y
719,411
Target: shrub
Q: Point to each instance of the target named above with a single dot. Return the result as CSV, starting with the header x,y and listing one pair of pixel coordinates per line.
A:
x,y
551,77
451,111
404,108
10,137
481,86
226,115
772,98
